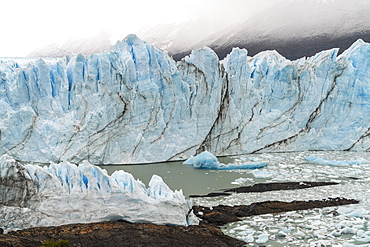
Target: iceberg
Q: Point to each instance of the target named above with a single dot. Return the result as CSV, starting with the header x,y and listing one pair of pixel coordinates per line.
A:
x,y
32,196
263,238
206,160
322,161
135,104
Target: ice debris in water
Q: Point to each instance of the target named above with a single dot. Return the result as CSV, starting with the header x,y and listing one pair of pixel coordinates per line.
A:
x,y
263,238
321,161
32,196
334,226
206,160
263,174
241,181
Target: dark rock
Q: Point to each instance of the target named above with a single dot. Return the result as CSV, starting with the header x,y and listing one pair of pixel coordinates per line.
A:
x,y
233,213
213,194
118,233
214,217
263,187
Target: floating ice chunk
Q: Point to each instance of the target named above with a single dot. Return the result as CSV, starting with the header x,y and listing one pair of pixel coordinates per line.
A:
x,y
255,159
244,227
286,230
242,180
365,239
263,238
360,212
263,174
336,233
348,230
281,234
321,161
354,212
246,165
249,239
354,245
344,210
206,160
32,196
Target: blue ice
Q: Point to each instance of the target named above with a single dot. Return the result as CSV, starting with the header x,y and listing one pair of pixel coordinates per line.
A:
x,y
206,160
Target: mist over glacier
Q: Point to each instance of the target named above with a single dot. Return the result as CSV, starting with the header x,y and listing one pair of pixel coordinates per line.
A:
x,y
135,104
295,28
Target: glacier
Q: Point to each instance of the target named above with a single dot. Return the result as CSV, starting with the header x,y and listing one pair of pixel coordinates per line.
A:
x,y
135,104
32,196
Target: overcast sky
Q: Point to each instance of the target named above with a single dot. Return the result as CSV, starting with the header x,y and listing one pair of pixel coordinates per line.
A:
x,y
30,24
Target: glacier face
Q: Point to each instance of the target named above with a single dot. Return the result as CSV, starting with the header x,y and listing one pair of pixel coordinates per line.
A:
x,y
64,193
135,104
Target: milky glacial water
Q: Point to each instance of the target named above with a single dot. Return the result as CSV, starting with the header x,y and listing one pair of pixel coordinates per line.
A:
x,y
334,226
178,176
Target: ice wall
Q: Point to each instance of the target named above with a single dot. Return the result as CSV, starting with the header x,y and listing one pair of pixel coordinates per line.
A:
x,y
135,104
64,193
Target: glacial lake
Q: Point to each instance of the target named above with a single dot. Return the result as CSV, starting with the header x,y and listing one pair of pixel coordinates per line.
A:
x,y
335,226
178,176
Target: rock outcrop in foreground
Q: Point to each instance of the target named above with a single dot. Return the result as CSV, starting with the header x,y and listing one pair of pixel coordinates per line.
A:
x,y
115,233
221,214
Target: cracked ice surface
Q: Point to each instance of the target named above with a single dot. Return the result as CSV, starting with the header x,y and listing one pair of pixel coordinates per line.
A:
x,y
136,104
64,193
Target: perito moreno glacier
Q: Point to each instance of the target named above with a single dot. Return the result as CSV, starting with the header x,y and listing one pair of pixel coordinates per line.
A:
x,y
135,104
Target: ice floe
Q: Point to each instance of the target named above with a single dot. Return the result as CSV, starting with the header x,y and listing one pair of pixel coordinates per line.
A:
x,y
206,160
322,161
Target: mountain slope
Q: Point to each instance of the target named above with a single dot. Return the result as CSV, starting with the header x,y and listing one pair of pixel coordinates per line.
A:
x,y
295,29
